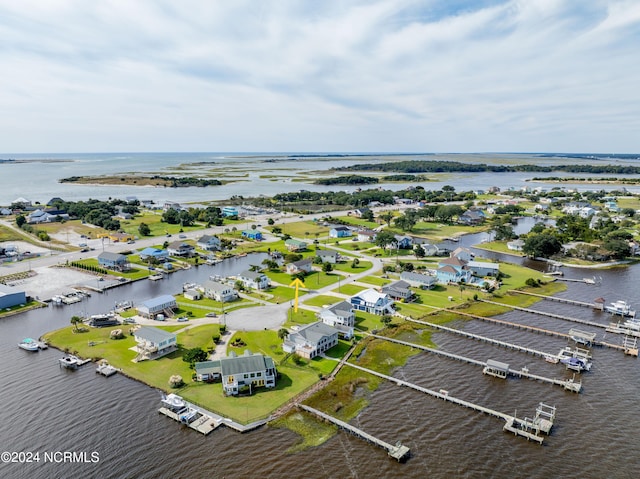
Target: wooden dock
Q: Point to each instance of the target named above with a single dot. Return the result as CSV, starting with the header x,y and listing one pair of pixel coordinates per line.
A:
x,y
398,452
555,298
568,384
203,424
505,344
520,427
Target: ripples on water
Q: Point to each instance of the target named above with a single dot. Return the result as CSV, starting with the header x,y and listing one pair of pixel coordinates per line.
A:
x,y
45,408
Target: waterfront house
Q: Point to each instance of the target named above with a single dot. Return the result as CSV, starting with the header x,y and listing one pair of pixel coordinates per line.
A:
x,y
219,291
453,270
480,268
164,304
114,261
152,343
302,266
180,248
339,232
171,205
311,340
420,280
208,371
515,245
39,216
399,290
472,217
209,243
254,279
11,296
155,254
372,301
241,374
294,245
340,316
192,294
327,256
361,212
465,254
252,235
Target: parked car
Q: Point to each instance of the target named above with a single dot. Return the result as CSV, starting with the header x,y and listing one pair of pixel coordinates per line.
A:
x,y
182,319
211,315
182,236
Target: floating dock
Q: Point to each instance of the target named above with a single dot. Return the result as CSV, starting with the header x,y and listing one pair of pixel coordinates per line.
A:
x,y
528,428
493,368
202,424
106,369
398,452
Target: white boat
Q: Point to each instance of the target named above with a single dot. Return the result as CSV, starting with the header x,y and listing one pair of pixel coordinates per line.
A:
x,y
620,308
574,359
174,402
69,361
633,324
29,344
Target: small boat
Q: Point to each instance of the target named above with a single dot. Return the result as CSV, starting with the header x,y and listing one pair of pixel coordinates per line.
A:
x,y
69,361
620,308
551,359
174,402
29,344
574,360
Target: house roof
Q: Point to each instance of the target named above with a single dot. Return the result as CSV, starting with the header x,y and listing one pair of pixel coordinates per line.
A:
x,y
246,363
152,252
326,252
397,286
302,262
254,275
340,228
341,307
158,301
216,286
176,245
453,261
208,367
483,264
207,238
109,256
314,332
419,277
448,269
154,335
295,242
370,296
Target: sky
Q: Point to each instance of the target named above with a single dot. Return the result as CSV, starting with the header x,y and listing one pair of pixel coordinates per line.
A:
x,y
320,76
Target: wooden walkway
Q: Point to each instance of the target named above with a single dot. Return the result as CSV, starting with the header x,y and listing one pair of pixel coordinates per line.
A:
x,y
520,427
398,452
505,344
555,298
568,384
543,313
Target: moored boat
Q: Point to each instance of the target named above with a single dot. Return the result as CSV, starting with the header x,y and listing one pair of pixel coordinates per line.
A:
x,y
620,308
69,361
29,344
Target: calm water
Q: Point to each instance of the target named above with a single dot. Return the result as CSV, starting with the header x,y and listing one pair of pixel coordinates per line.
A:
x,y
255,174
46,408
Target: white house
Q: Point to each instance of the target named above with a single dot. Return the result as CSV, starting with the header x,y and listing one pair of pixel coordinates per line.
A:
x,y
465,254
419,280
340,316
301,266
373,301
219,291
327,256
180,248
164,304
208,243
367,235
311,340
254,279
515,245
480,268
154,342
239,373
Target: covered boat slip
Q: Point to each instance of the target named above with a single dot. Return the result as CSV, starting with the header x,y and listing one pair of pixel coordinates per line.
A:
x,y
582,337
496,369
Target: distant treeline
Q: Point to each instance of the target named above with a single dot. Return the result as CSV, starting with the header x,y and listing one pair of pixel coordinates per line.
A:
x,y
171,181
436,166
367,180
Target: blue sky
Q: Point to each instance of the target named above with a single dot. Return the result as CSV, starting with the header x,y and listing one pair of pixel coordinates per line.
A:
x,y
330,75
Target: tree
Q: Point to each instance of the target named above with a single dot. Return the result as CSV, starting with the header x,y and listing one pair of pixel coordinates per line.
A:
x,y
384,239
144,229
419,251
541,245
355,263
282,333
75,320
327,267
386,320
387,217
194,355
270,222
618,248
20,220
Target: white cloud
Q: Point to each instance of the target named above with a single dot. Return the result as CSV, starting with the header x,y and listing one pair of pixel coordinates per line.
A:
x,y
552,75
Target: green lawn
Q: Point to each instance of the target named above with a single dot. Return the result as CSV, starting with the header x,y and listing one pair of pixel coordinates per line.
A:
x,y
299,228
350,289
348,266
499,246
323,299
375,280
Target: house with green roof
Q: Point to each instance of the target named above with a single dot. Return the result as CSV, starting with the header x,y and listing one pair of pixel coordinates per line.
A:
x,y
239,374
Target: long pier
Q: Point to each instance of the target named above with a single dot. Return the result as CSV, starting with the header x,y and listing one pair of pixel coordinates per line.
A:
x,y
520,427
398,452
568,384
517,347
543,313
555,298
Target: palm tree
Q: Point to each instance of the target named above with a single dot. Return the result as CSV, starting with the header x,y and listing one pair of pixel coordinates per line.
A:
x,y
282,333
75,320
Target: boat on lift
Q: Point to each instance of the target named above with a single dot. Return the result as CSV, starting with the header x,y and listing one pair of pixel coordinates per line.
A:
x,y
620,308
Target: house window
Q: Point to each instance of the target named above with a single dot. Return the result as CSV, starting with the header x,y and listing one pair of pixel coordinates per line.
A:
x,y
258,374
253,375
246,376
